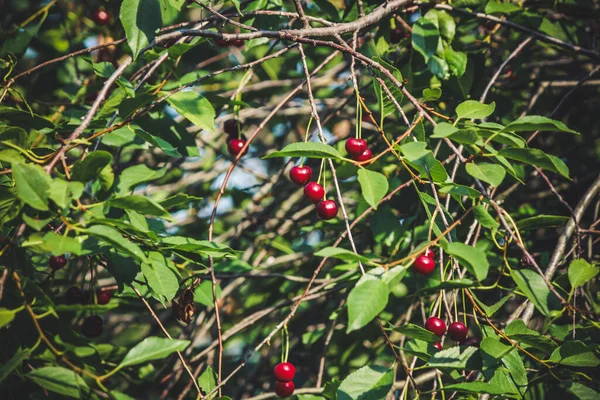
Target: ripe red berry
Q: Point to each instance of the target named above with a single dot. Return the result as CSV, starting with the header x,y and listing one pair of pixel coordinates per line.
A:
x,y
92,326
327,209
234,146
101,17
74,295
284,372
314,192
457,331
232,127
435,325
438,345
57,262
429,253
365,156
300,174
237,43
284,389
424,265
355,147
103,296
397,34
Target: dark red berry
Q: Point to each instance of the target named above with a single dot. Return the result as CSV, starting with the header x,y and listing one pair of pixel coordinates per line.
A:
x,y
457,331
300,174
365,156
92,326
327,209
435,325
424,265
103,296
355,147
74,295
284,372
438,345
234,146
237,43
429,253
314,192
284,389
232,127
397,34
222,42
102,17
472,341
57,262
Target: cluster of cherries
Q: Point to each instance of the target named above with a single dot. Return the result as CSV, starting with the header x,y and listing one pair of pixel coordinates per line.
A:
x,y
284,374
93,325
457,330
301,175
358,150
235,141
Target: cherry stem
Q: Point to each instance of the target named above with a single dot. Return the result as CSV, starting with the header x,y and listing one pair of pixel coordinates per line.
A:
x,y
358,116
321,170
308,129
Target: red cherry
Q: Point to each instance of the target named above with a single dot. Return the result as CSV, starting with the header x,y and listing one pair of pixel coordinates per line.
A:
x,y
424,265
102,17
314,192
231,127
300,174
284,372
397,34
436,326
429,253
457,331
327,209
74,295
57,262
221,42
103,296
284,389
365,156
355,147
237,43
234,146
92,326
438,345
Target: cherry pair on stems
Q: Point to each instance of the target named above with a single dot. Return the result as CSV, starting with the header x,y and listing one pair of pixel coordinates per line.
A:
x,y
284,374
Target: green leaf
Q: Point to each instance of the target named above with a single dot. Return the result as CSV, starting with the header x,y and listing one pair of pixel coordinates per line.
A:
x,y
457,61
374,186
89,168
152,348
60,380
444,22
541,221
178,200
431,94
536,157
60,244
341,254
475,388
491,310
425,37
141,19
460,190
195,108
161,278
454,357
204,295
518,331
497,7
137,174
417,332
490,173
34,223
200,247
140,204
583,392
306,149
470,257
32,184
576,354
112,236
537,123
159,142
473,109
371,382
580,272
484,217
62,192
534,288
6,316
439,67
365,302
15,361
207,380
